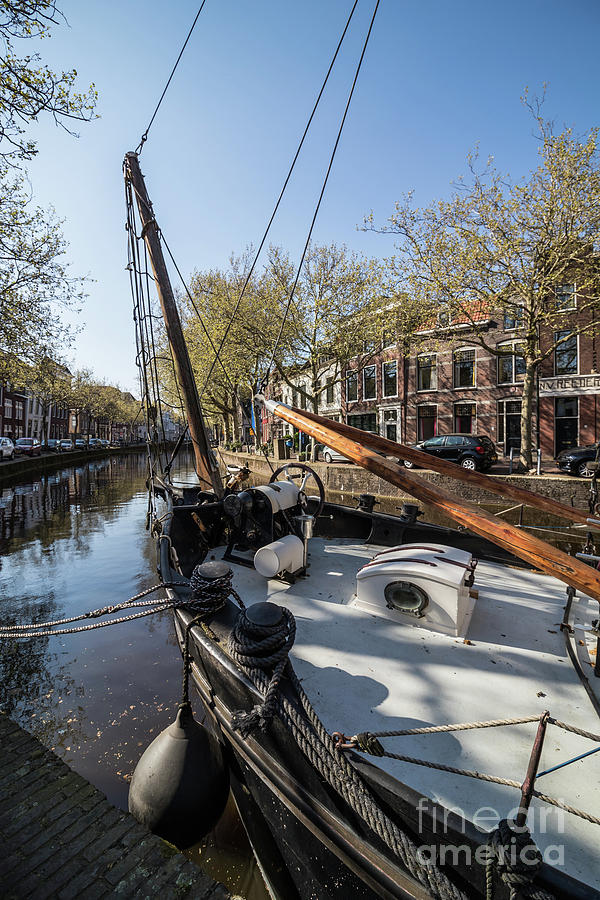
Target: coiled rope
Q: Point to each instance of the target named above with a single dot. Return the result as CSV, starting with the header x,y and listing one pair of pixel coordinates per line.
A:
x,y
257,647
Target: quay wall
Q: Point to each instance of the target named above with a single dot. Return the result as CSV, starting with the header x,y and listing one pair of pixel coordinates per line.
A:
x,y
346,481
13,471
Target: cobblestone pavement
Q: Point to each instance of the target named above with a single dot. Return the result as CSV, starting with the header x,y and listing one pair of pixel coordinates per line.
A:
x,y
60,837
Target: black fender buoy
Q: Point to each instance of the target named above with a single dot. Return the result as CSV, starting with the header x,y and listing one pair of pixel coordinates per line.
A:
x,y
180,785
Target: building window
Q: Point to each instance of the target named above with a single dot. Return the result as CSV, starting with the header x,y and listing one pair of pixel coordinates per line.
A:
x,y
443,318
366,422
329,391
369,382
303,398
464,368
352,386
565,355
427,373
464,418
426,421
509,424
566,423
514,318
19,409
294,397
8,408
511,364
390,378
565,297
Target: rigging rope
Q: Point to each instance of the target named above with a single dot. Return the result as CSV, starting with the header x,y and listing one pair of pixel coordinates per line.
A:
x,y
144,138
279,199
318,206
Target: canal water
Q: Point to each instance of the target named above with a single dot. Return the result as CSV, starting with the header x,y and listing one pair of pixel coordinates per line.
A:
x,y
74,541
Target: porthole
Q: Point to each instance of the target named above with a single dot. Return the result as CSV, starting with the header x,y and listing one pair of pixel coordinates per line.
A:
x,y
406,597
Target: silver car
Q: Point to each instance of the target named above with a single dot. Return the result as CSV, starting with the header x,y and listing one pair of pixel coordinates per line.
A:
x,y
7,448
331,455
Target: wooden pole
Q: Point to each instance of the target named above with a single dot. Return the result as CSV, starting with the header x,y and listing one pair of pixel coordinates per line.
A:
x,y
527,547
445,467
206,468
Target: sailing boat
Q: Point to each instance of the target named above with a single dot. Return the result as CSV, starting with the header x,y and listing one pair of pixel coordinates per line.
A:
x,y
387,692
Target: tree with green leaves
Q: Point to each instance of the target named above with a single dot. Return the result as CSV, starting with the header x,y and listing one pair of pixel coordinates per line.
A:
x,y
34,280
525,250
49,381
28,87
337,315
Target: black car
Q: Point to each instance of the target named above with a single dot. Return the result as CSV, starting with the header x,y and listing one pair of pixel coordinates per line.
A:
x,y
471,451
575,460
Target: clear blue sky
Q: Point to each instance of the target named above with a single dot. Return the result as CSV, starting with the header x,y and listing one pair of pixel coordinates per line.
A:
x,y
439,77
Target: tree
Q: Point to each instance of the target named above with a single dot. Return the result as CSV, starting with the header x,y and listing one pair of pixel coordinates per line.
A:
x,y
248,326
511,248
337,315
27,88
34,280
49,381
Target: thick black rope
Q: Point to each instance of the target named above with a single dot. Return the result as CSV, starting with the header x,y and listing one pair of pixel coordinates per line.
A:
x,y
272,644
512,853
261,648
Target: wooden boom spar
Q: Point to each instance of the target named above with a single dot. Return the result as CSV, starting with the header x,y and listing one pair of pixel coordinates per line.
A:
x,y
445,467
525,546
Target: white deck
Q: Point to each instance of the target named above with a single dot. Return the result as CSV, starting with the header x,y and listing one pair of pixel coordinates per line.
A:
x,y
365,673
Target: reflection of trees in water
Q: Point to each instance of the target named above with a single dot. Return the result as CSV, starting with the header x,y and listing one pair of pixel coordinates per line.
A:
x,y
73,503
30,674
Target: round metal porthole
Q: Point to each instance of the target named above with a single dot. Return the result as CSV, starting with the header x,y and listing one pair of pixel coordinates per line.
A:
x,y
406,597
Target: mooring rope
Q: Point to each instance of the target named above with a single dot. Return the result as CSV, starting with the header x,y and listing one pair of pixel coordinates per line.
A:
x,y
273,643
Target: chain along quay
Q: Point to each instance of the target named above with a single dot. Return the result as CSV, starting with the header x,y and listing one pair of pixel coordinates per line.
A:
x,y
71,541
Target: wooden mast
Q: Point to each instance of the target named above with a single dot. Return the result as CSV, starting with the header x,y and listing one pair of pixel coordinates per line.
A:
x,y
527,547
445,467
206,468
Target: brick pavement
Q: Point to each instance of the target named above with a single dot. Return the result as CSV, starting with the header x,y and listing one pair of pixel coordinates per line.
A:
x,y
61,838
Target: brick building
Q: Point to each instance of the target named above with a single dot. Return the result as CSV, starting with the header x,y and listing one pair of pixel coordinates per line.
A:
x,y
461,387
14,413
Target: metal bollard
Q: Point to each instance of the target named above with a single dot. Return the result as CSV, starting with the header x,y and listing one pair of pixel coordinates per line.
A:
x,y
510,461
539,462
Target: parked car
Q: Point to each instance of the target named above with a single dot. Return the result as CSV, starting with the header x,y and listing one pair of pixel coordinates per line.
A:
x,y
7,448
80,444
331,455
471,451
104,443
28,446
50,446
94,443
577,460
65,444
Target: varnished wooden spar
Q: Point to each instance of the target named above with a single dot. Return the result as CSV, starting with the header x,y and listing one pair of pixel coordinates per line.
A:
x,y
206,468
445,467
527,547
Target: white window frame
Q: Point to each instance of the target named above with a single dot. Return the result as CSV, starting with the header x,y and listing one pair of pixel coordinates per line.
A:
x,y
562,285
387,362
374,367
465,387
352,374
429,389
513,356
566,374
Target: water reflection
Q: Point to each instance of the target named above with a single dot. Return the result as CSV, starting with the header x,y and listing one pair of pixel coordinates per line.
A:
x,y
72,541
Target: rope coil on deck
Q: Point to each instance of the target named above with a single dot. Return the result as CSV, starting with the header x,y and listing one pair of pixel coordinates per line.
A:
x,y
257,648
